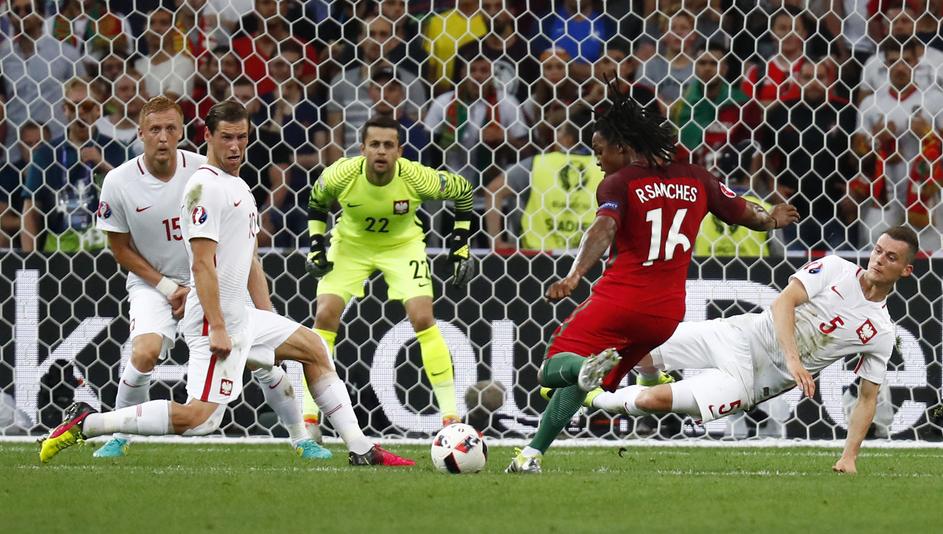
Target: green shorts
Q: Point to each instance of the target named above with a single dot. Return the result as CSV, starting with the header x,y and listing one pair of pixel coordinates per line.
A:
x,y
405,269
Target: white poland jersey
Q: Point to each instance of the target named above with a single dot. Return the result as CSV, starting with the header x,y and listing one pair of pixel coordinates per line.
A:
x,y
134,201
220,207
836,322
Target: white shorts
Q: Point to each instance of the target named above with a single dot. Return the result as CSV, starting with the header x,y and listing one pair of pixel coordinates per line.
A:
x,y
721,349
219,380
150,313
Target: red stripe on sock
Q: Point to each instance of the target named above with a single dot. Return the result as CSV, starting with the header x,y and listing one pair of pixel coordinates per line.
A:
x,y
209,379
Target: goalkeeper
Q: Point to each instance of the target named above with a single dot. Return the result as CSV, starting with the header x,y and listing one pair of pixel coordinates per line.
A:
x,y
379,193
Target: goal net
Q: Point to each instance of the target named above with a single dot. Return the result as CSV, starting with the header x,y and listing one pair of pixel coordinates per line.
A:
x,y
838,113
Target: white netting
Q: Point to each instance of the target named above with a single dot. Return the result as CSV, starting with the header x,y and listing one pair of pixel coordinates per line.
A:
x,y
837,112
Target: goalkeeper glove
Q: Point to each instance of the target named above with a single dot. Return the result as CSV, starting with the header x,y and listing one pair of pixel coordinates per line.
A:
x,y
463,265
317,264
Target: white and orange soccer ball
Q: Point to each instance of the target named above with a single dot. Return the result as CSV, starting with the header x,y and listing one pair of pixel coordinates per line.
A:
x,y
459,448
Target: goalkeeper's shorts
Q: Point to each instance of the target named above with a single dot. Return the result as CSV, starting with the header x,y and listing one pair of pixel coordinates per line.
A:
x,y
405,269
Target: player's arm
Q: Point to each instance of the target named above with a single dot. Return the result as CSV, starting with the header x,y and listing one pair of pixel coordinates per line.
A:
x,y
594,243
258,284
784,323
130,259
323,195
736,210
861,418
431,184
207,289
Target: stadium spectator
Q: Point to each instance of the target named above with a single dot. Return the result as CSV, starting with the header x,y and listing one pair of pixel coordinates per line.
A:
x,y
898,129
397,46
476,125
348,107
709,113
106,71
902,28
270,157
808,138
387,98
774,80
673,66
578,27
60,195
92,28
120,123
617,65
12,175
226,15
165,70
257,43
553,197
34,64
195,28
444,34
721,240
406,30
552,97
514,66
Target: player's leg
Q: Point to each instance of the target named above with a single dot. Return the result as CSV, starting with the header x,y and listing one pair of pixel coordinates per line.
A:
x,y
436,360
709,395
280,396
291,341
351,267
152,418
327,320
407,274
153,330
589,329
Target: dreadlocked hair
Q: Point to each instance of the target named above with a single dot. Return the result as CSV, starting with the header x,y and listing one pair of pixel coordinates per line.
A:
x,y
625,122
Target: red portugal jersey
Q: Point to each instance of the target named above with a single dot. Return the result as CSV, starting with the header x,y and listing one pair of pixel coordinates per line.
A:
x,y
658,212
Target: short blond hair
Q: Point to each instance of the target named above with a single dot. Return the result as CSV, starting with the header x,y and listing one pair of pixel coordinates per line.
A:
x,y
158,104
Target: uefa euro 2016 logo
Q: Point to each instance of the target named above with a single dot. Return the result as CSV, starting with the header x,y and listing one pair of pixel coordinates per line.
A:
x,y
104,210
199,215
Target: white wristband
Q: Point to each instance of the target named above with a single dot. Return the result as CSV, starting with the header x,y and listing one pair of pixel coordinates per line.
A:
x,y
166,286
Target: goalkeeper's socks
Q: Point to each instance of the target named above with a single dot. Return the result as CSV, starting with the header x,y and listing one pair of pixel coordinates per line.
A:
x,y
148,419
331,395
561,370
437,363
280,396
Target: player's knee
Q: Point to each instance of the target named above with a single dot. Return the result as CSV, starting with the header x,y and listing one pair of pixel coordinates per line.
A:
x,y
144,354
197,422
540,373
328,314
650,401
422,321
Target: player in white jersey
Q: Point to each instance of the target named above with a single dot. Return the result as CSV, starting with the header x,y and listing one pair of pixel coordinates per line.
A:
x,y
220,224
140,211
831,309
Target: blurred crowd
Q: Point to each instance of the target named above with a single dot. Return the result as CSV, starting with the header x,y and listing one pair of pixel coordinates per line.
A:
x,y
836,107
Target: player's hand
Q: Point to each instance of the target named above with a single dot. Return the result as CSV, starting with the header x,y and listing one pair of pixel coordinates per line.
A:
x,y
845,465
220,342
317,264
463,265
784,215
178,301
802,377
562,288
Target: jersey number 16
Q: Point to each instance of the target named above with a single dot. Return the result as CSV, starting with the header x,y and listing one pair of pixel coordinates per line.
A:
x,y
674,239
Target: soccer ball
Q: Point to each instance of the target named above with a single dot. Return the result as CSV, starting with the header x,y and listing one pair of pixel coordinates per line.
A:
x,y
459,448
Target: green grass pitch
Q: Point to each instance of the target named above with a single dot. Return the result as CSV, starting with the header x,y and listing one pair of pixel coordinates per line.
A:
x,y
264,488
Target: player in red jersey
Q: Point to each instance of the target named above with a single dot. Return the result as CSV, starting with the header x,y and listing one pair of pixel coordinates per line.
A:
x,y
650,210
